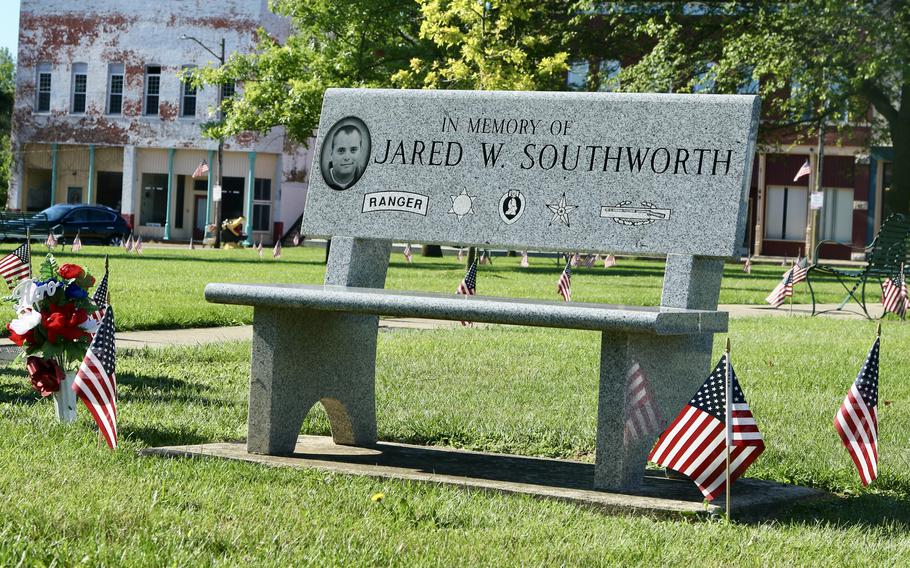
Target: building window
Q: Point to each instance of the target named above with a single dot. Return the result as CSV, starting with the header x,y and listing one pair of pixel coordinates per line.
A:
x,y
115,88
262,204
44,87
154,200
187,96
837,215
228,90
80,80
152,89
785,213
607,79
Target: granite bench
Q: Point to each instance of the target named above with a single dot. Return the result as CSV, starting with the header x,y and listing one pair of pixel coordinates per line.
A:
x,y
317,344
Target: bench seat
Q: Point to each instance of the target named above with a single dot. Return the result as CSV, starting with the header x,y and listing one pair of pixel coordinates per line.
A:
x,y
484,309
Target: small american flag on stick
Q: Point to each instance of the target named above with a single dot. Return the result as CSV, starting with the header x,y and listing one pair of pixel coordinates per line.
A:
x,y
276,251
784,289
16,265
609,261
857,420
804,170
894,294
77,244
96,383
800,270
564,286
468,285
524,259
407,253
695,444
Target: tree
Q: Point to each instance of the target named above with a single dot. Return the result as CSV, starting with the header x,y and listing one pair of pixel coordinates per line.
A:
x,y
7,92
358,43
814,62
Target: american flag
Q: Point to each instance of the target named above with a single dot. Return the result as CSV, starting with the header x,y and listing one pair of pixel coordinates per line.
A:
x,y
192,245
609,261
589,260
201,170
894,294
51,241
128,243
459,255
524,259
800,270
100,297
137,246
77,244
803,170
695,442
258,248
747,266
16,265
564,287
575,259
276,251
296,239
96,384
784,289
468,285
407,252
642,415
857,420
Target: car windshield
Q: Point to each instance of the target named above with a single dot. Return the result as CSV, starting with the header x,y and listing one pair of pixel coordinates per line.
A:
x,y
56,212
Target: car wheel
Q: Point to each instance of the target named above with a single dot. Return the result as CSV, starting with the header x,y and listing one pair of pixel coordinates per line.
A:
x,y
115,240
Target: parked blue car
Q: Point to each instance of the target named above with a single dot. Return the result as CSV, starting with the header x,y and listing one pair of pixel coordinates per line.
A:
x,y
93,223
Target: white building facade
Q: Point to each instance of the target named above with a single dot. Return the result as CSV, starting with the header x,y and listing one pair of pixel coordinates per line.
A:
x,y
102,116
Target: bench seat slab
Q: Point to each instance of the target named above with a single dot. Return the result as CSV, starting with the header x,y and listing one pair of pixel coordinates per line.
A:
x,y
484,309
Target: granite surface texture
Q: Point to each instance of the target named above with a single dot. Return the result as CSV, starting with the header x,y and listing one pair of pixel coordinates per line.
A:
x,y
487,309
564,480
604,172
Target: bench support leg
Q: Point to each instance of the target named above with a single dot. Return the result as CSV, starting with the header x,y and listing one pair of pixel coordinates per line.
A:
x,y
301,357
633,367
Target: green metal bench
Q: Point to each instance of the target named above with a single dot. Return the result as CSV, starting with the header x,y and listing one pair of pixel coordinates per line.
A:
x,y
884,257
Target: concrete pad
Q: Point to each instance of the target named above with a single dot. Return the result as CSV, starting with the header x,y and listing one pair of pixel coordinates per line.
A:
x,y
562,480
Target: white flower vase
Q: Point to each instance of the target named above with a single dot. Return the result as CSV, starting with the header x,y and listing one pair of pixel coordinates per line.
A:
x,y
65,399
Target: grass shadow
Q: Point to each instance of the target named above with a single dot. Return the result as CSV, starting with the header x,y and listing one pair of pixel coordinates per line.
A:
x,y
156,436
869,510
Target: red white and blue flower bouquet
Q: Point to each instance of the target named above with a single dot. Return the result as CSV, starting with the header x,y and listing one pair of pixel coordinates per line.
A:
x,y
55,322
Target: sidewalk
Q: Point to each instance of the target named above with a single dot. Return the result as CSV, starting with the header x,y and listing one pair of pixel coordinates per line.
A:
x,y
197,336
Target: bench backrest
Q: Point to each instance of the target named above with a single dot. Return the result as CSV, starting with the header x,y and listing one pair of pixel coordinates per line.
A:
x,y
587,172
889,249
625,173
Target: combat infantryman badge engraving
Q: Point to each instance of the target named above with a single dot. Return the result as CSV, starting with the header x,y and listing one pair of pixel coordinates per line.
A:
x,y
511,206
634,216
561,210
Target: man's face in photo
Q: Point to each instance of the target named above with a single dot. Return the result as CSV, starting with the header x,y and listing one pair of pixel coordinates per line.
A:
x,y
346,152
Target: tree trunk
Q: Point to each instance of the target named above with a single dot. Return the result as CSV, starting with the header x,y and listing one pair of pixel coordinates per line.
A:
x,y
434,251
897,198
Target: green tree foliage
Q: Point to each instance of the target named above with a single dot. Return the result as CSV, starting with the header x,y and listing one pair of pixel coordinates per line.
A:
x,y
505,44
357,43
7,92
812,61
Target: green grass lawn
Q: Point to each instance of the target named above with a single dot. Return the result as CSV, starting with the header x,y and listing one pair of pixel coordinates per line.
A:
x,y
67,500
163,288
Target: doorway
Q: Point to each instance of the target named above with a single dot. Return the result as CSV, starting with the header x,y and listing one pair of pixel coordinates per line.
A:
x,y
199,205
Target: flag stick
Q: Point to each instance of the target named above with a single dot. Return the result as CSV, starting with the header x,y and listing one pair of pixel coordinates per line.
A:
x,y
878,332
728,425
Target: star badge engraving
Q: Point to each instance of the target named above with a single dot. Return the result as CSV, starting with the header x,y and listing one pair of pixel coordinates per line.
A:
x,y
462,204
561,210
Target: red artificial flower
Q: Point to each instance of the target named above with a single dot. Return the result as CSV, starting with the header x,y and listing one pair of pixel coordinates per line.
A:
x,y
62,320
68,271
27,337
46,375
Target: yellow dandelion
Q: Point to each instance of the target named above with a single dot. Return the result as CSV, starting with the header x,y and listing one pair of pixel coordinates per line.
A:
x,y
377,497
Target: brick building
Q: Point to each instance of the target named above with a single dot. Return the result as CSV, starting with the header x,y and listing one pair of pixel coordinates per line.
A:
x,y
102,116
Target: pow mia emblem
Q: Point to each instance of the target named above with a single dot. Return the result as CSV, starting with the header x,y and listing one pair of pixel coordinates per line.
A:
x,y
511,206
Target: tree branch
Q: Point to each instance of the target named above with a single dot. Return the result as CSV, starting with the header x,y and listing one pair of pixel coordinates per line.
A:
x,y
880,100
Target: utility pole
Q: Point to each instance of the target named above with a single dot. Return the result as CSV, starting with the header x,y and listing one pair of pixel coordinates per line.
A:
x,y
216,213
812,220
